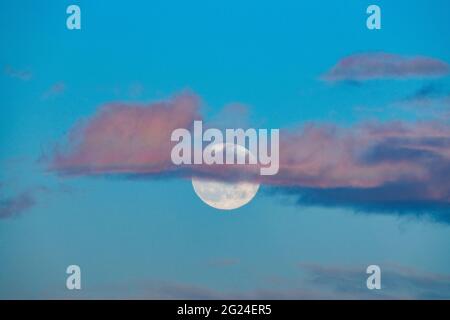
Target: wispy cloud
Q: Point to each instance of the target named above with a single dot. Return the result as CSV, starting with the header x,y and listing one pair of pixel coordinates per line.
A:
x,y
12,206
398,282
135,90
430,95
23,75
378,65
426,91
16,205
55,90
313,281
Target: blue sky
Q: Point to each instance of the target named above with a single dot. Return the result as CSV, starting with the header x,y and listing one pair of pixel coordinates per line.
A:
x,y
153,237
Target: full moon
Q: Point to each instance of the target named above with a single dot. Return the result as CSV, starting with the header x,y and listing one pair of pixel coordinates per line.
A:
x,y
226,195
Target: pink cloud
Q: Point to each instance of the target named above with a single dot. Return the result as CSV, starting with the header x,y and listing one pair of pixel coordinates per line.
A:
x,y
329,156
366,164
393,167
367,66
126,138
135,139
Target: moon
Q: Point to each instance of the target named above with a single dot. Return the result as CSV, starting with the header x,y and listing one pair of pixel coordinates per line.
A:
x,y
225,195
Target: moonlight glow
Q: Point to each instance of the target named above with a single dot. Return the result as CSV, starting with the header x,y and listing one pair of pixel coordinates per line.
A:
x,y
226,195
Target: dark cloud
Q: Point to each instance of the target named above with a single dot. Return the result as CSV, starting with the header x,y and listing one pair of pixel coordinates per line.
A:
x,y
16,205
426,91
430,96
398,199
386,168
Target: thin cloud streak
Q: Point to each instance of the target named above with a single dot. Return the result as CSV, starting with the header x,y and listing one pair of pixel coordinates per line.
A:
x,y
379,65
55,90
398,282
23,75
312,281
